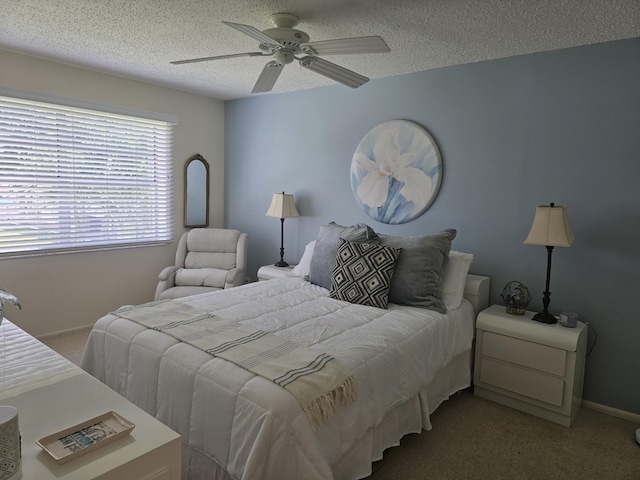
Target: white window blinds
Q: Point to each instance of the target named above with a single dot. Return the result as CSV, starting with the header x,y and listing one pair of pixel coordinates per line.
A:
x,y
72,178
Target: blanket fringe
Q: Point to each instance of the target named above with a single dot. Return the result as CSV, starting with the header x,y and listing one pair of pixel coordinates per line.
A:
x,y
324,407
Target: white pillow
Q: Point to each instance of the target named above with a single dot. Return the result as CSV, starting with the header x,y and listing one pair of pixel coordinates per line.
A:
x,y
303,267
455,277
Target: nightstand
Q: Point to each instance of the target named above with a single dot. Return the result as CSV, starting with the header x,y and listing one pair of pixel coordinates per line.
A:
x,y
530,366
267,272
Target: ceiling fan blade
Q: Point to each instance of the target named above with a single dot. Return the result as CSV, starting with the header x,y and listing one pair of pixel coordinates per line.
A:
x,y
333,71
254,33
220,57
268,77
344,46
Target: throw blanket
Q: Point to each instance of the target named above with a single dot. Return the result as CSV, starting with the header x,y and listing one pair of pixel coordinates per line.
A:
x,y
316,380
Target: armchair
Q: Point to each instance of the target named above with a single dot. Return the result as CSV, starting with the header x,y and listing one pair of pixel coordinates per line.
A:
x,y
207,259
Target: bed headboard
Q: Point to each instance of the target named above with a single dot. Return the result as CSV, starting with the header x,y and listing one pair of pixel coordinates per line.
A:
x,y
476,290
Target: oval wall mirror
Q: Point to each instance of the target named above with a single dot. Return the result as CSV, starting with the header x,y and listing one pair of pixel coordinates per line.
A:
x,y
196,192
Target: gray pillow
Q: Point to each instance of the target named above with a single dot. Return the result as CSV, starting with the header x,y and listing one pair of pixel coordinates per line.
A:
x,y
323,260
419,271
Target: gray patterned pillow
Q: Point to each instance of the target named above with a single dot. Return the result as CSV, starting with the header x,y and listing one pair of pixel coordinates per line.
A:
x,y
419,272
324,254
363,273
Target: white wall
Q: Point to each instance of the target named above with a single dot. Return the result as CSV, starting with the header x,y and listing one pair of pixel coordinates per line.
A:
x,y
64,292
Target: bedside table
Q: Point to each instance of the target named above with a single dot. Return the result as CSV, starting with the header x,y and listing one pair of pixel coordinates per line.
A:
x,y
267,272
530,366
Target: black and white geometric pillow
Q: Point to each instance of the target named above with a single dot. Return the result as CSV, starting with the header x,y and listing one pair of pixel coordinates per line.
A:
x,y
363,273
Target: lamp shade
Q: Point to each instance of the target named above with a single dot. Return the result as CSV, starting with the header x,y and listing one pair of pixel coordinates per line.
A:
x,y
550,227
282,206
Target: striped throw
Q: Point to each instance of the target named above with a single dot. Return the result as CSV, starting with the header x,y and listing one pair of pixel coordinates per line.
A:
x,y
317,380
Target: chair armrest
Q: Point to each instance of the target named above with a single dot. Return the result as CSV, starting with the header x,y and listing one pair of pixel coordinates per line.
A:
x,y
166,279
167,273
235,277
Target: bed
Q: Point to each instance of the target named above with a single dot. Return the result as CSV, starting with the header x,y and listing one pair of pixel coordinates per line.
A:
x,y
235,424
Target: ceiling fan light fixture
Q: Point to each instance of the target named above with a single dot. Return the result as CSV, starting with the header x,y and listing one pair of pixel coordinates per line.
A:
x,y
283,57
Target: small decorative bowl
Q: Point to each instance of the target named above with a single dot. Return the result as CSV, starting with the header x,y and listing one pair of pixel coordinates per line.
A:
x,y
516,297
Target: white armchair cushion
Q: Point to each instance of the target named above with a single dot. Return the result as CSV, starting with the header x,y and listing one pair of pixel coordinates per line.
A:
x,y
220,260
201,277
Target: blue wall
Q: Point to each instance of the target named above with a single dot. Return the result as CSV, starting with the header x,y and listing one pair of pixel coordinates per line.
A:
x,y
558,126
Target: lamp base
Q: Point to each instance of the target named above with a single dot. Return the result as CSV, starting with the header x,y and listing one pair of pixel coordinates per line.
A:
x,y
544,317
281,263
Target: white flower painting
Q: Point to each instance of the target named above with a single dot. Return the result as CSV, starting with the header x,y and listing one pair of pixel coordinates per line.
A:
x,y
396,172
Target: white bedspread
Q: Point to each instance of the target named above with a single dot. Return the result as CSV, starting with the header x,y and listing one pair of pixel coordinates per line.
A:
x,y
252,428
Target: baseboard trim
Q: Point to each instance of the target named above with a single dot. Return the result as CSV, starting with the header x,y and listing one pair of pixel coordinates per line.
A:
x,y
60,333
632,417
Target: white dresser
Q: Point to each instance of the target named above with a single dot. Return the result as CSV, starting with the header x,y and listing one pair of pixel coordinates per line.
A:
x,y
52,394
531,366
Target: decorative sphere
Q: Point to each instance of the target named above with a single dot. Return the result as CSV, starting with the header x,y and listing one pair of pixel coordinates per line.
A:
x,y
516,297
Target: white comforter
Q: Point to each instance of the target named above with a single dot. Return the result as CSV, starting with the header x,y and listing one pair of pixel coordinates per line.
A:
x,y
249,426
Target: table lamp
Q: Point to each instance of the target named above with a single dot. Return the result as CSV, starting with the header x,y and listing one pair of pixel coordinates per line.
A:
x,y
550,228
282,206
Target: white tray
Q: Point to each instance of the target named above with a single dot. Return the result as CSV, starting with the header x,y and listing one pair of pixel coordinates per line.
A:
x,y
85,437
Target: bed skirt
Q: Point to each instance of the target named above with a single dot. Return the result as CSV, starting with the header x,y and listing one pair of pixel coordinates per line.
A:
x,y
412,416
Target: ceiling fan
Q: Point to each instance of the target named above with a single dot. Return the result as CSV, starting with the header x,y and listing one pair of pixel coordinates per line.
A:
x,y
286,44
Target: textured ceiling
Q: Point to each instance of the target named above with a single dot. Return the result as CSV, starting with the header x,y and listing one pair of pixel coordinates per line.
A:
x,y
138,38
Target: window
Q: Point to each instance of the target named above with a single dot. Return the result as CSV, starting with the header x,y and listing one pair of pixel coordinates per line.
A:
x,y
77,179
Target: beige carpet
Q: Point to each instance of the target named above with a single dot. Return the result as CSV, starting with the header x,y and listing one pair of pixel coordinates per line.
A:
x,y
70,346
474,438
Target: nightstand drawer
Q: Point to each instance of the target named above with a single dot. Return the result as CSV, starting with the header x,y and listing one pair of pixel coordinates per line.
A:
x,y
529,383
528,354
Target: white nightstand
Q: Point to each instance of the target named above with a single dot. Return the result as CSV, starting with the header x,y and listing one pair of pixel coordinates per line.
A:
x,y
530,366
267,272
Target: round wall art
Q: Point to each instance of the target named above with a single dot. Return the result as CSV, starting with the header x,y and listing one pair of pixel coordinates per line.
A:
x,y
396,172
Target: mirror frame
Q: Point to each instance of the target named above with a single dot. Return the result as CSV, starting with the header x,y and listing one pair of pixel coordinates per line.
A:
x,y
196,158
